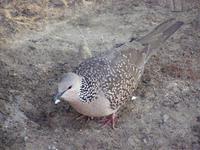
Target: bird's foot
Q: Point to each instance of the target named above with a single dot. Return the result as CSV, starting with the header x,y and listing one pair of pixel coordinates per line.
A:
x,y
86,118
109,120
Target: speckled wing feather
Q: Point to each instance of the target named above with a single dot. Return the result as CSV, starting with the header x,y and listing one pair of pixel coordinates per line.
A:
x,y
116,77
116,73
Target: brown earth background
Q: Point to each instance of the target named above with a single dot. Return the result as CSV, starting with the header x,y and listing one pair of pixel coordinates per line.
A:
x,y
41,39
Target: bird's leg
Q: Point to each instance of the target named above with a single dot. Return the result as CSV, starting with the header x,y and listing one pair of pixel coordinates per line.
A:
x,y
87,118
111,119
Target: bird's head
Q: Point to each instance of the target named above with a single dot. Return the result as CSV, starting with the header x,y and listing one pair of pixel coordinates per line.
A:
x,y
68,88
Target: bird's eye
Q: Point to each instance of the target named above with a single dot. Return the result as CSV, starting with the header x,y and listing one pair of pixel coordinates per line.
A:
x,y
69,87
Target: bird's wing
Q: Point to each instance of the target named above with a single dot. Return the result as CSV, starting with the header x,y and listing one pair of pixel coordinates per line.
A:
x,y
119,70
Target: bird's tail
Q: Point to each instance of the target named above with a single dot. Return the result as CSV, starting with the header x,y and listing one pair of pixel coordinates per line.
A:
x,y
158,36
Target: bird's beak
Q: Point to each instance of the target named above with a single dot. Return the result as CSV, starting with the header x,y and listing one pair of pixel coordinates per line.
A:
x,y
57,97
57,101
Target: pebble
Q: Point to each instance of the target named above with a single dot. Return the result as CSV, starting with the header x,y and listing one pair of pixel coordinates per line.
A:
x,y
133,97
165,117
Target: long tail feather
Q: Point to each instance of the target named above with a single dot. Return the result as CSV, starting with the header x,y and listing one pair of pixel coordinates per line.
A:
x,y
159,35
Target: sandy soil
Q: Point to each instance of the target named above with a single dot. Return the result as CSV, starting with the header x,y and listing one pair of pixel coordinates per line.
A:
x,y
166,113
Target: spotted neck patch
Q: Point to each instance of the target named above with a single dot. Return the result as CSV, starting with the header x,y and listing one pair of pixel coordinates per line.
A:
x,y
87,91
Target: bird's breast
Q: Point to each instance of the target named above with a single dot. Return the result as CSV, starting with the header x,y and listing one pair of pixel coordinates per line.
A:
x,y
97,108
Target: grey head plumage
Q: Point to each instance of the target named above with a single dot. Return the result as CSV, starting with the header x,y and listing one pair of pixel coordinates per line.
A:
x,y
115,74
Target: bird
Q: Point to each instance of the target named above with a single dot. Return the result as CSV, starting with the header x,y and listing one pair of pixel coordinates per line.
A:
x,y
100,85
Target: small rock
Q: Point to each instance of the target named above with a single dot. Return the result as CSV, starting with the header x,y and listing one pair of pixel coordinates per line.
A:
x,y
133,98
165,117
145,140
52,147
26,138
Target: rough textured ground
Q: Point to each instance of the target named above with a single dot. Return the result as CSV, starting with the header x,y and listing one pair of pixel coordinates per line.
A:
x,y
166,113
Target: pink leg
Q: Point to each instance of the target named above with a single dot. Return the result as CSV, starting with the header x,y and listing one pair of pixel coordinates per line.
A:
x,y
87,118
111,119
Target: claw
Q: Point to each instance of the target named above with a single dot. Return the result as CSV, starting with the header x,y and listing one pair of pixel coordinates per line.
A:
x,y
87,118
111,119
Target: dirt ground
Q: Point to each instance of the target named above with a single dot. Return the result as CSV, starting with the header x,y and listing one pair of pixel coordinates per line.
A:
x,y
166,113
